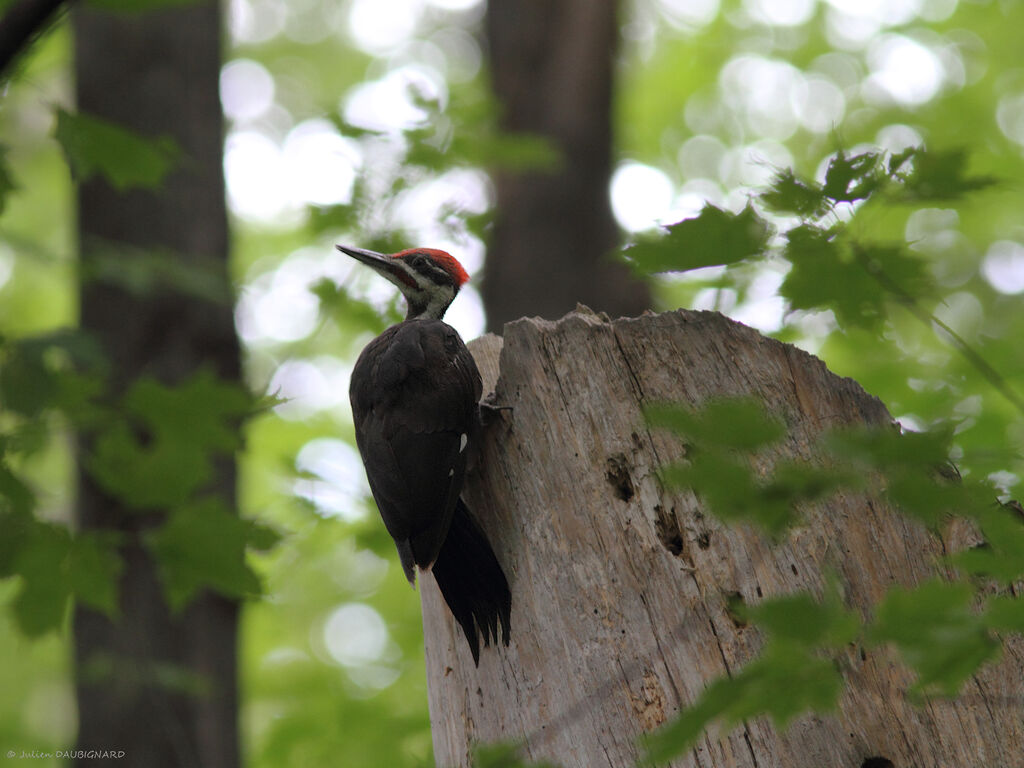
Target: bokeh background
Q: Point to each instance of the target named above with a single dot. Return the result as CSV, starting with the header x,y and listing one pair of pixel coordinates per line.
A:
x,y
372,122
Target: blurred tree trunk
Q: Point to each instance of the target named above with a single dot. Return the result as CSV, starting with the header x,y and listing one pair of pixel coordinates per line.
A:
x,y
623,590
552,66
161,687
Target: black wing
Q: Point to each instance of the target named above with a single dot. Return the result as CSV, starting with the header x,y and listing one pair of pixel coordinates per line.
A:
x,y
414,397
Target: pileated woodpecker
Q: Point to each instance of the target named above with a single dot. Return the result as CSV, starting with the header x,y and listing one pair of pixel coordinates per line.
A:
x,y
415,393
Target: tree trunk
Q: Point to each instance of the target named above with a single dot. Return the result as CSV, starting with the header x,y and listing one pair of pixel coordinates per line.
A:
x,y
552,66
158,686
620,587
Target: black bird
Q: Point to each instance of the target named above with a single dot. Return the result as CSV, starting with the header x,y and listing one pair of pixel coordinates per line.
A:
x,y
415,393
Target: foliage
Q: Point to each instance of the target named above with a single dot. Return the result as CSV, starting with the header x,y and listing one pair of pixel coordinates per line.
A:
x,y
152,449
793,673
161,454
869,251
937,632
854,269
725,482
7,184
94,146
137,6
142,272
936,626
713,238
203,545
503,756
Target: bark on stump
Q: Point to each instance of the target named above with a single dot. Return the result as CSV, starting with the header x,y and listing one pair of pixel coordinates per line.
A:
x,y
620,588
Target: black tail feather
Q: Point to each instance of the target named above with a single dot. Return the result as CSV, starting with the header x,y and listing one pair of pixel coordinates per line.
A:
x,y
472,582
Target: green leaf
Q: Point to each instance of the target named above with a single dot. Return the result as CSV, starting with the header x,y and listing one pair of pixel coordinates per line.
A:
x,y
856,281
903,275
899,160
716,470
725,483
204,411
852,178
799,481
941,175
503,755
741,423
465,133
94,146
1005,613
784,682
918,494
937,633
104,668
15,494
145,473
352,316
163,451
879,447
15,528
41,604
7,183
825,276
729,488
94,567
912,471
715,237
512,152
1002,557
804,621
261,537
138,6
788,194
56,370
203,545
146,271
54,566
332,218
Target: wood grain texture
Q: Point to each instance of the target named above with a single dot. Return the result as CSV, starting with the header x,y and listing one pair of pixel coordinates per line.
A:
x,y
619,587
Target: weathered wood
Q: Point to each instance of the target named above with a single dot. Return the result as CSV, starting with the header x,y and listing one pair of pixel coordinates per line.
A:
x,y
620,588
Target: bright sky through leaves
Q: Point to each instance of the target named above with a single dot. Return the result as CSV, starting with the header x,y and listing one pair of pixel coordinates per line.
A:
x,y
716,97
277,166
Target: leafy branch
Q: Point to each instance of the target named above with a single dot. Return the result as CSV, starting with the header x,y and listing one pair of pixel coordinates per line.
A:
x,y
943,630
153,448
829,267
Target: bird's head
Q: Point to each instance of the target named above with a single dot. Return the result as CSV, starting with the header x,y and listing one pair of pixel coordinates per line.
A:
x,y
428,278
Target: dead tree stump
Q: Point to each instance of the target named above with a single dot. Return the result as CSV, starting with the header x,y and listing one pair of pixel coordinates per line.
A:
x,y
620,588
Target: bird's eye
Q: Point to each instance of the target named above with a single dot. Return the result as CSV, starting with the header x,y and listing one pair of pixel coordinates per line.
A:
x,y
417,260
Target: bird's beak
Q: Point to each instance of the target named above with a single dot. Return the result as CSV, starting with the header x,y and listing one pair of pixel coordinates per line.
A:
x,y
370,258
383,265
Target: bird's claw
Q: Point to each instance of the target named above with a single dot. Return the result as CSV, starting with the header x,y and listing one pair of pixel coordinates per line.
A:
x,y
489,410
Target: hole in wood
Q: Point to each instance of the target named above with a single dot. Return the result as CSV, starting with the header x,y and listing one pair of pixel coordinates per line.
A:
x,y
667,527
877,762
618,476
